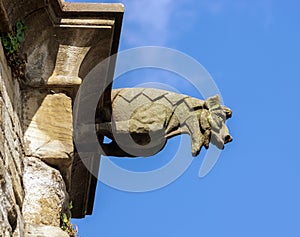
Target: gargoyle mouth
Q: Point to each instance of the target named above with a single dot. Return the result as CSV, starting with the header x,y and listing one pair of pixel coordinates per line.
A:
x,y
218,140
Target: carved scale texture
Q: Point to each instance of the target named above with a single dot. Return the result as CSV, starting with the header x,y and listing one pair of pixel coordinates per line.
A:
x,y
165,114
127,100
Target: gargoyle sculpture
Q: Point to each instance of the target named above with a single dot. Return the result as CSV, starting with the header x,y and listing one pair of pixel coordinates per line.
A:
x,y
143,119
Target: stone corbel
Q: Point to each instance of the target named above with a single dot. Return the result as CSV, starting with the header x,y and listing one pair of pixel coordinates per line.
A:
x,y
65,49
64,41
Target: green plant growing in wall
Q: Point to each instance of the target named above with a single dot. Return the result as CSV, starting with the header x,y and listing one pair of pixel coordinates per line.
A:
x,y
11,42
66,225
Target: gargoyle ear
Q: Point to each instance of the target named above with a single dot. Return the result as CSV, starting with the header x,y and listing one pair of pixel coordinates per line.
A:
x,y
213,102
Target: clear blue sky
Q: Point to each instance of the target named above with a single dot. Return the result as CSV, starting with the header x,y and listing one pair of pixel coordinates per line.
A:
x,y
252,50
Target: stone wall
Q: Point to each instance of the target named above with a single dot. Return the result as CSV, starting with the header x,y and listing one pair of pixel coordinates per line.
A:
x,y
32,194
11,154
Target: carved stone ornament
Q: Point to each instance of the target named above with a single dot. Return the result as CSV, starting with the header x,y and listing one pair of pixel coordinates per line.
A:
x,y
144,118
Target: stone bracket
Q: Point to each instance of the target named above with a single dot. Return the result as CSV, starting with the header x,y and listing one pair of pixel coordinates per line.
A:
x,y
63,43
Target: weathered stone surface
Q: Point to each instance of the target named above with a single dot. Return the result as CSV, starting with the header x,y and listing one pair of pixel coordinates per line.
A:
x,y
11,155
14,175
67,73
19,231
143,119
48,126
5,205
45,193
48,130
64,54
11,222
44,231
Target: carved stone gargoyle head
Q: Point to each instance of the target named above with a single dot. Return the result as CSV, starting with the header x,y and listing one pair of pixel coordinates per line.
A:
x,y
218,114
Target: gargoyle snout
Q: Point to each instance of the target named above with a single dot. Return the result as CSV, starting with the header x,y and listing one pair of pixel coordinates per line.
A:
x,y
221,137
227,139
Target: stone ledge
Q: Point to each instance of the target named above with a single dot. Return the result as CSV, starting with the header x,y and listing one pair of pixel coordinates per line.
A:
x,y
12,11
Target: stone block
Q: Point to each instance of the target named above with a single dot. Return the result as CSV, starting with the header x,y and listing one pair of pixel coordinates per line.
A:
x,y
46,197
15,176
9,214
48,127
44,231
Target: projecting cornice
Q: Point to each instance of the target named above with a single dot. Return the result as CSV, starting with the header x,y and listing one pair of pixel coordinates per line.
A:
x,y
64,41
